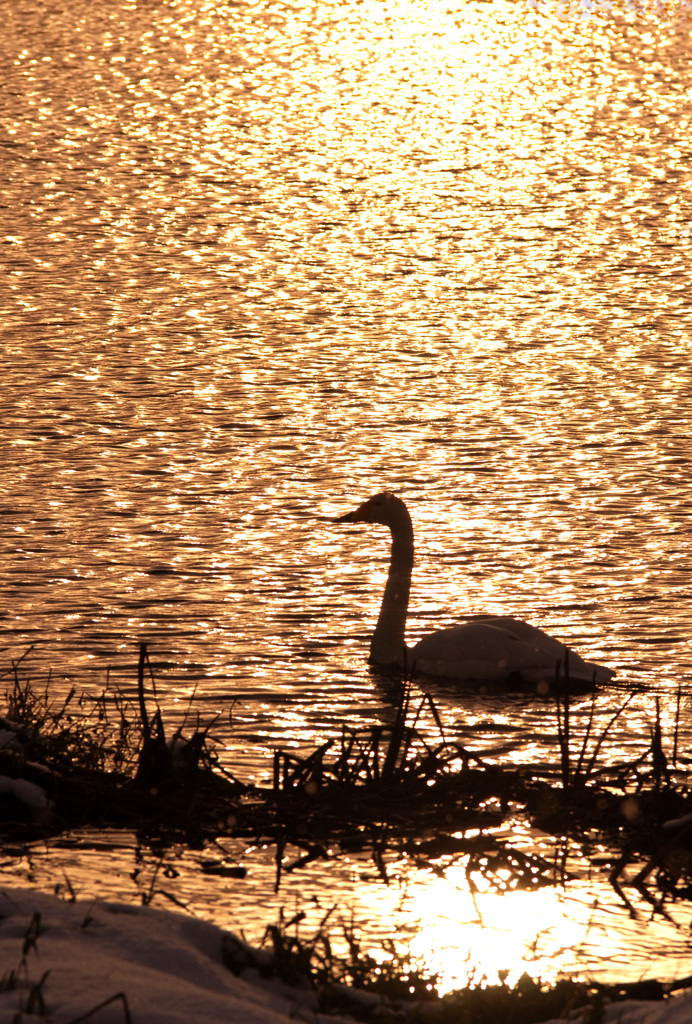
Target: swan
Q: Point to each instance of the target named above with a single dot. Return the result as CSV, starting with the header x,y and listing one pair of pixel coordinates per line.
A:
x,y
493,649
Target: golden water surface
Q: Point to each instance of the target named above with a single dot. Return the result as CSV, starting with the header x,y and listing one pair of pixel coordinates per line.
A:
x,y
261,260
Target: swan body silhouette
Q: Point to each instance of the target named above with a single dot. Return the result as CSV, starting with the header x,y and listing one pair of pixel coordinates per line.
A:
x,y
492,649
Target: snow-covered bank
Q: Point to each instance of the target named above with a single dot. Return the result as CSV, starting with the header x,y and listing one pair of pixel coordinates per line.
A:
x,y
168,965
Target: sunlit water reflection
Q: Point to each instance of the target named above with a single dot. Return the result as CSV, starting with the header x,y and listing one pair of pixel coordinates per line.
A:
x,y
260,261
575,926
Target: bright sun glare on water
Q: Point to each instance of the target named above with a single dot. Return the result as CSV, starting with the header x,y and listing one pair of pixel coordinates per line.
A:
x,y
481,936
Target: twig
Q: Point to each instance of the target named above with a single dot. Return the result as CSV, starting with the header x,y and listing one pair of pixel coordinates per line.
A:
x,y
86,1017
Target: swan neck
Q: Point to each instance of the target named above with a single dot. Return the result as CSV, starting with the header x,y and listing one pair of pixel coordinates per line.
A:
x,y
388,640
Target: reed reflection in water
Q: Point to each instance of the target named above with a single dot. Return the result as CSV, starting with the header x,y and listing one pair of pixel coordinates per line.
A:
x,y
575,927
262,261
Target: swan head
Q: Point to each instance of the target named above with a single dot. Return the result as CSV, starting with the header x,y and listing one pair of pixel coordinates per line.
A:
x,y
384,508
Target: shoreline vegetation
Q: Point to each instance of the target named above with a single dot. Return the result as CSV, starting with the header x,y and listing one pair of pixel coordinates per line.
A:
x,y
106,762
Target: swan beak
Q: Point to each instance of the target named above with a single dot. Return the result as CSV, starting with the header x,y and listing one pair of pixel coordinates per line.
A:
x,y
350,517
